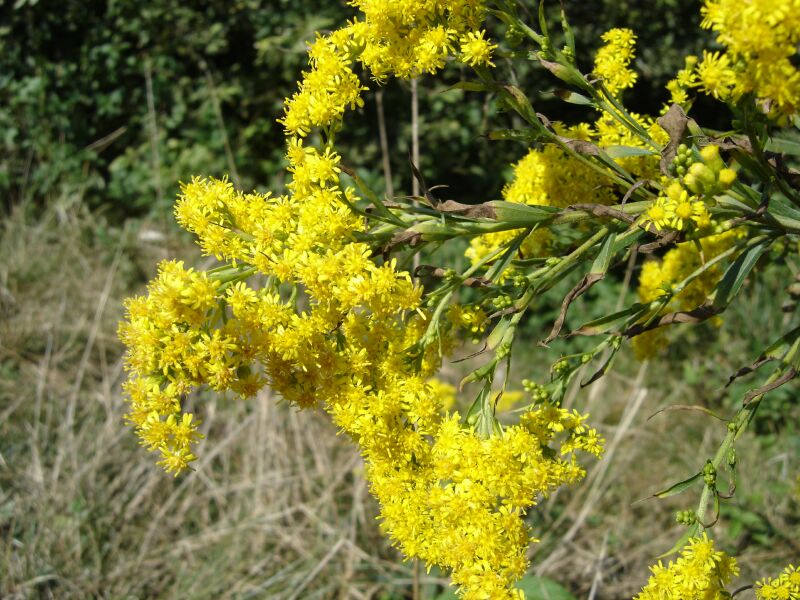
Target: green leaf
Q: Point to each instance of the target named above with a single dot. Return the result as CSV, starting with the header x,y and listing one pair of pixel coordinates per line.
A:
x,y
500,265
603,259
569,35
572,97
780,348
783,146
679,487
688,534
542,588
612,321
784,212
469,86
626,151
498,334
543,20
735,275
522,105
522,214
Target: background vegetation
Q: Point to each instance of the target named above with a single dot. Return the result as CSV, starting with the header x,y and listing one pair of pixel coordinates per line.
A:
x,y
104,107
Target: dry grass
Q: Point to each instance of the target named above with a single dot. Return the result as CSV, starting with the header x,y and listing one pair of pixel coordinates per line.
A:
x,y
276,507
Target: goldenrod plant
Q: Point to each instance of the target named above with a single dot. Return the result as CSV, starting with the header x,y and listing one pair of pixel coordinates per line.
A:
x,y
316,296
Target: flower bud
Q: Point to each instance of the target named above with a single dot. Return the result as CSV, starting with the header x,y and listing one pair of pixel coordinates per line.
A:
x,y
700,179
711,158
726,178
675,192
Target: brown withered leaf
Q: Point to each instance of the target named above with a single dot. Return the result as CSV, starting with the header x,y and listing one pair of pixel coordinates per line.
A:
x,y
580,146
785,378
761,360
664,239
733,142
409,237
473,211
632,189
675,123
600,210
583,285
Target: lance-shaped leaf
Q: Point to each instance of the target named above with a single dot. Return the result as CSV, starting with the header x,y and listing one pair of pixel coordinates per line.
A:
x,y
569,35
688,407
469,86
365,190
696,315
613,321
784,213
503,331
785,377
679,487
627,151
502,264
737,272
612,354
520,103
522,214
572,97
783,146
687,535
543,20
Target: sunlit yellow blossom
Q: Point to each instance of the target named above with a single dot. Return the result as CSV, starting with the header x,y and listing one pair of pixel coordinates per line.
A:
x,y
761,38
475,50
301,305
785,586
612,60
699,573
656,214
716,76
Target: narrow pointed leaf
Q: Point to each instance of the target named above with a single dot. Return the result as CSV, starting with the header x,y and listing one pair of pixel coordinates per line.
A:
x,y
679,487
737,272
688,534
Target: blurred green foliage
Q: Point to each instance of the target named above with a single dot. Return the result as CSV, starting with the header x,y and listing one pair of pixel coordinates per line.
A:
x,y
76,114
74,81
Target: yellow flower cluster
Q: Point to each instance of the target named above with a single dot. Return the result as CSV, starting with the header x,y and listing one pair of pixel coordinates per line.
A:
x,y
471,319
761,37
658,277
684,80
401,38
785,586
301,306
683,203
676,209
458,502
549,176
611,63
700,573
